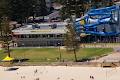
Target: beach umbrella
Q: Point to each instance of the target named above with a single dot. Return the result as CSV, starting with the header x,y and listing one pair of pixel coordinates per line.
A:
x,y
7,61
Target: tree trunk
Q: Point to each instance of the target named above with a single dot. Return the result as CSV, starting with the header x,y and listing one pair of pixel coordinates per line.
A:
x,y
33,17
60,54
75,55
8,49
43,18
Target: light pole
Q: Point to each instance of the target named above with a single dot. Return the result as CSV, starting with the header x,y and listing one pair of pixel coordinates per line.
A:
x,y
60,56
23,46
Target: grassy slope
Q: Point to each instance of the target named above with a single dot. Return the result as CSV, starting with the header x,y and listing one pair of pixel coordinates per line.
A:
x,y
51,54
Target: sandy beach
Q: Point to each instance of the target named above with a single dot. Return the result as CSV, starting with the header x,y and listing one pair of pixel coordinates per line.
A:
x,y
59,73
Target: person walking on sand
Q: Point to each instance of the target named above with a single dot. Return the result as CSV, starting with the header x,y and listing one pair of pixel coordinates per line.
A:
x,y
36,71
92,77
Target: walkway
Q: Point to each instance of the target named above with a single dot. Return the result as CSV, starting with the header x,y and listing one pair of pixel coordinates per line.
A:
x,y
114,57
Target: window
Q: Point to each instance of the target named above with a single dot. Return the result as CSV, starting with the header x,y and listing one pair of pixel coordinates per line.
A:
x,y
59,35
44,36
27,36
51,35
22,36
36,35
30,36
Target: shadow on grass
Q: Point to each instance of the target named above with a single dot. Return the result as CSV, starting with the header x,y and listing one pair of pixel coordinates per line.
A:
x,y
84,59
20,60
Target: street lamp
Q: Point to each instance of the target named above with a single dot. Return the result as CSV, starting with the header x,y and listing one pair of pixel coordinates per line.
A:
x,y
60,56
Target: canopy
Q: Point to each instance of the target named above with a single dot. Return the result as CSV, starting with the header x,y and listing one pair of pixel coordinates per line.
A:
x,y
7,58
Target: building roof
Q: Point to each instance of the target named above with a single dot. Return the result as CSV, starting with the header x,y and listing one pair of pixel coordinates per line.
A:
x,y
54,15
57,5
42,28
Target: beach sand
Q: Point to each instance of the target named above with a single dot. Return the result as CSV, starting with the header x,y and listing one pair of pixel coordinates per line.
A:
x,y
59,73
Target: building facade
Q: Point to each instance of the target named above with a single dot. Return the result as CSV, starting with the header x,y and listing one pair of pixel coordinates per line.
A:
x,y
35,35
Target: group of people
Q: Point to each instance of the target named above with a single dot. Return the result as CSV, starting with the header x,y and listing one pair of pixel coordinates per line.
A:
x,y
91,77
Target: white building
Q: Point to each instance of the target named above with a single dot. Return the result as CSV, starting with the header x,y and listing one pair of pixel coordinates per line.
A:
x,y
44,34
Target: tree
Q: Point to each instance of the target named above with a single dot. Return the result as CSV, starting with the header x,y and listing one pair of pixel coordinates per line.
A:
x,y
101,3
4,8
5,36
40,8
5,31
59,1
71,41
43,8
79,7
72,7
20,9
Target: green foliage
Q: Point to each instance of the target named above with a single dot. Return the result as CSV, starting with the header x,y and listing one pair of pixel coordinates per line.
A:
x,y
21,9
72,7
60,1
71,41
5,34
101,3
4,8
79,7
5,29
43,8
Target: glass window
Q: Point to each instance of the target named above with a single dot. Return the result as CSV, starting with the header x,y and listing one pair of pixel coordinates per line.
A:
x,y
59,35
30,36
51,35
22,36
44,35
36,35
18,36
39,35
27,36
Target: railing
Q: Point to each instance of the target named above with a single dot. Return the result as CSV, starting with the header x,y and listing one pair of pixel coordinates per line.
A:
x,y
99,45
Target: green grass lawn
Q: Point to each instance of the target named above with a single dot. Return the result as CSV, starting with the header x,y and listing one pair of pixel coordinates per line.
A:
x,y
51,54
